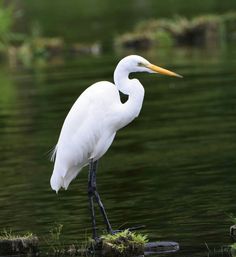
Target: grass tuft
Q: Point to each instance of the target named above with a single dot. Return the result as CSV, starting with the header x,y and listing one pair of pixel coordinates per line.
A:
x,y
233,246
124,243
9,235
203,30
232,218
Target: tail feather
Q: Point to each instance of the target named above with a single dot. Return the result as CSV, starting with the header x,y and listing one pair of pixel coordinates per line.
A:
x,y
70,175
53,153
57,180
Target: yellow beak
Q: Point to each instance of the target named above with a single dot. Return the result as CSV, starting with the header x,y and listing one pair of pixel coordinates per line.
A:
x,y
163,71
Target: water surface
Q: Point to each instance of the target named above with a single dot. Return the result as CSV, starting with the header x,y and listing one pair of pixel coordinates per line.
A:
x,y
172,169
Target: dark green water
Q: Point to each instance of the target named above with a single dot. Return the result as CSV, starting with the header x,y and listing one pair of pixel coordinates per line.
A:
x,y
172,169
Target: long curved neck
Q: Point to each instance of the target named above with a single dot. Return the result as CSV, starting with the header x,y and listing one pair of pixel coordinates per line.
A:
x,y
122,81
135,91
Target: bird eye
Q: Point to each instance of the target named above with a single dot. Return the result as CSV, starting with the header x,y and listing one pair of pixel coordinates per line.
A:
x,y
140,64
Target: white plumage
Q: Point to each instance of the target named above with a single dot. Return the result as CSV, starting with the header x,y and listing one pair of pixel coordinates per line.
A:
x,y
93,120
87,132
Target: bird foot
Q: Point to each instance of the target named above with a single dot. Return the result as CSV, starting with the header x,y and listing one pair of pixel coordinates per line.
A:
x,y
97,240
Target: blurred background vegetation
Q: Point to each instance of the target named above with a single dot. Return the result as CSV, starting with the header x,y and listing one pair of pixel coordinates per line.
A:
x,y
41,28
102,20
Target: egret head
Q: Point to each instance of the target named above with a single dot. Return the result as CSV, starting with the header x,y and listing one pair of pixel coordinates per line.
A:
x,y
135,63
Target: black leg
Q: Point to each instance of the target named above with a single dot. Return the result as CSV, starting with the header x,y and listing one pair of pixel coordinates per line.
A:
x,y
102,209
91,196
92,189
94,195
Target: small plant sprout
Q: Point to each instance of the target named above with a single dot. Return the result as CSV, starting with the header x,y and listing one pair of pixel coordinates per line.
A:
x,y
10,235
124,243
54,240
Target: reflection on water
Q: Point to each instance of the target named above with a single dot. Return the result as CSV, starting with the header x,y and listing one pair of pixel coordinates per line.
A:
x,y
172,169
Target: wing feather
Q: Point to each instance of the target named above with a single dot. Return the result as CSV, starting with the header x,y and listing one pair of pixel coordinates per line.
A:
x,y
82,131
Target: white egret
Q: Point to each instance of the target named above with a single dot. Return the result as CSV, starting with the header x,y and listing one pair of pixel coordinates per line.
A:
x,y
92,123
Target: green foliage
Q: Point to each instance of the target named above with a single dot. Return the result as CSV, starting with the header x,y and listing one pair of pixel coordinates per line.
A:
x,y
55,232
198,31
233,246
229,20
6,22
233,249
132,236
163,38
232,218
54,240
9,235
124,243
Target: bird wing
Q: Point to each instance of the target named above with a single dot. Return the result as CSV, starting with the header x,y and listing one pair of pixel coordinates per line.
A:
x,y
87,130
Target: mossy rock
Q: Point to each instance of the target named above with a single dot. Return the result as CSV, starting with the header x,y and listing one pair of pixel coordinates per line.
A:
x,y
203,30
134,40
122,244
233,232
128,244
233,250
229,20
18,246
